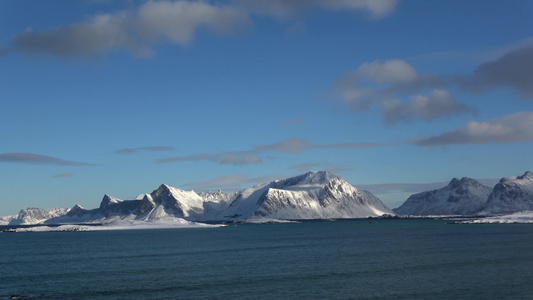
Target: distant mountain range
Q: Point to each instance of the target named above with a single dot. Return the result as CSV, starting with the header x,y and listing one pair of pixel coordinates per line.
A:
x,y
313,195
469,197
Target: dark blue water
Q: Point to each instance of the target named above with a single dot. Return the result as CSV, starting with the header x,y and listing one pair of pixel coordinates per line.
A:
x,y
389,259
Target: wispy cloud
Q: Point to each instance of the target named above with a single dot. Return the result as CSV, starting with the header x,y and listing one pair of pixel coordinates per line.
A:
x,y
233,181
285,9
510,128
62,175
413,188
224,158
290,146
297,145
31,158
142,149
319,166
291,122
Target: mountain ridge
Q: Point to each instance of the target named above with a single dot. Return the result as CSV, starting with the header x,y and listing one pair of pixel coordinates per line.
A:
x,y
467,196
313,195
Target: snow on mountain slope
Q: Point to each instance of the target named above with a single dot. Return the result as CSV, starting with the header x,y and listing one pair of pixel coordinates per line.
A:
x,y
6,219
314,195
511,194
178,202
34,215
460,197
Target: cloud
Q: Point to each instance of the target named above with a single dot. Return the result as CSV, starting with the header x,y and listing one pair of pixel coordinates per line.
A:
x,y
510,128
140,149
62,175
231,181
351,145
3,51
513,70
174,22
386,188
290,146
285,9
413,188
382,83
366,86
224,158
439,103
297,145
395,70
319,165
291,122
31,158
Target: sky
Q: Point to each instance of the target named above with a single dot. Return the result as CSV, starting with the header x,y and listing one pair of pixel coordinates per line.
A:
x,y
397,97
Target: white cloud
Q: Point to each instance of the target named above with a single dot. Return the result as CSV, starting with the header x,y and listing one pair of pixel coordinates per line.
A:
x,y
510,128
177,21
135,31
439,103
382,83
349,88
284,9
395,70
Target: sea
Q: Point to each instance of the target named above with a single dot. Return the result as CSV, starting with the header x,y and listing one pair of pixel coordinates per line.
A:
x,y
343,259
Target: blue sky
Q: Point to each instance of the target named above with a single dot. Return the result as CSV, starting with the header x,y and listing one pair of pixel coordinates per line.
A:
x,y
396,97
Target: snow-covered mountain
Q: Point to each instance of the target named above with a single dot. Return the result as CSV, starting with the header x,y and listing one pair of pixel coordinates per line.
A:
x,y
314,195
34,215
4,220
510,195
464,196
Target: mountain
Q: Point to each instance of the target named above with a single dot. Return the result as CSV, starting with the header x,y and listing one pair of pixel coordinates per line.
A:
x,y
314,195
4,220
511,194
34,215
464,196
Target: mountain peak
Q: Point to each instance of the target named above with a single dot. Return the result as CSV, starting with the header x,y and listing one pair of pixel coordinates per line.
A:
x,y
108,200
463,196
527,175
162,189
465,181
309,178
